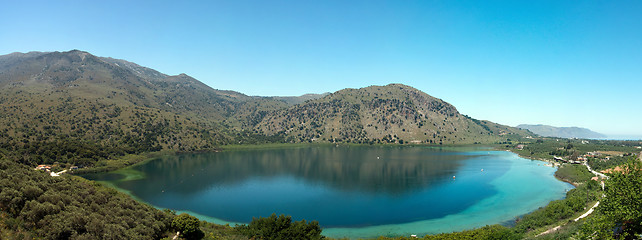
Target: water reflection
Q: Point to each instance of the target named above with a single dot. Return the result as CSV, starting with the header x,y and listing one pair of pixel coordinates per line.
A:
x,y
382,169
339,186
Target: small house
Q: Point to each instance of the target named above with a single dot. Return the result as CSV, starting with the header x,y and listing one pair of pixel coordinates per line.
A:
x,y
611,170
43,167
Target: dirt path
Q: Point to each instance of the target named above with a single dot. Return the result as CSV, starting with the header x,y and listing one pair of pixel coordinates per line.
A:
x,y
594,172
577,219
587,213
54,174
549,231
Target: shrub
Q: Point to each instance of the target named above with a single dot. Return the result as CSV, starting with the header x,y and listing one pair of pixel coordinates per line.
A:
x,y
188,225
280,227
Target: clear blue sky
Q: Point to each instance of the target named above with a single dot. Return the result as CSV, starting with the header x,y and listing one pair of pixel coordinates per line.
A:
x,y
562,63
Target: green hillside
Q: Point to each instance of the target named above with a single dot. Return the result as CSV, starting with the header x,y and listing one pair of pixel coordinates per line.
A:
x,y
108,108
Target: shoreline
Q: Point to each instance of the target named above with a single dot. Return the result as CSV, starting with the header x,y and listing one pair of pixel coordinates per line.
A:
x,y
554,164
130,160
123,162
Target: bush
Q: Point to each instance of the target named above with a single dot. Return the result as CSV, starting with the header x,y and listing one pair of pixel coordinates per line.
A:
x,y
280,227
188,225
486,232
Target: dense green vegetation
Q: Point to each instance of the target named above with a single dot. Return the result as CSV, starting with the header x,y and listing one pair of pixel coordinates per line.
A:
x,y
575,202
483,233
188,226
216,232
567,231
280,227
620,213
600,163
37,205
573,173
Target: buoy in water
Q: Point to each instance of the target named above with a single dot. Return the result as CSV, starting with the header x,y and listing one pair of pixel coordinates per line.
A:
x,y
453,177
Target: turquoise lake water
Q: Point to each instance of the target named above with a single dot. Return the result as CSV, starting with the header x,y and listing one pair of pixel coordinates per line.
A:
x,y
353,191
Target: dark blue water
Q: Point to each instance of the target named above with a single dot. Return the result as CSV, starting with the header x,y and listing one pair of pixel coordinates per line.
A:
x,y
346,187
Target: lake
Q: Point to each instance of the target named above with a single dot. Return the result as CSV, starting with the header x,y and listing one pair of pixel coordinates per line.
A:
x,y
353,191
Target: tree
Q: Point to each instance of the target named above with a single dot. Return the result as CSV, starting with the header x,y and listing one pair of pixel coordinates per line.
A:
x,y
188,225
41,207
280,227
620,212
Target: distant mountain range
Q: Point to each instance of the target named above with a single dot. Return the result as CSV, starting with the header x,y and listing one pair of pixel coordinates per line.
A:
x,y
561,132
48,96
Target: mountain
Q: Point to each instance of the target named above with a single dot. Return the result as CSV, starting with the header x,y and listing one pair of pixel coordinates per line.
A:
x,y
394,113
561,132
301,99
81,74
74,107
112,107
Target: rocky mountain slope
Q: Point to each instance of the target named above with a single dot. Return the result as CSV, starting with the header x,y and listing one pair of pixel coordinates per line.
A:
x,y
51,99
383,114
104,104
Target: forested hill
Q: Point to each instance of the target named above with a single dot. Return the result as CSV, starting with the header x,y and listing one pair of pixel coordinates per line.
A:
x,y
73,107
80,74
382,114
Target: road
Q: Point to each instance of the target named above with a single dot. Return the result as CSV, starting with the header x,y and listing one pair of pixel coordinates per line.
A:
x,y
54,174
594,172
